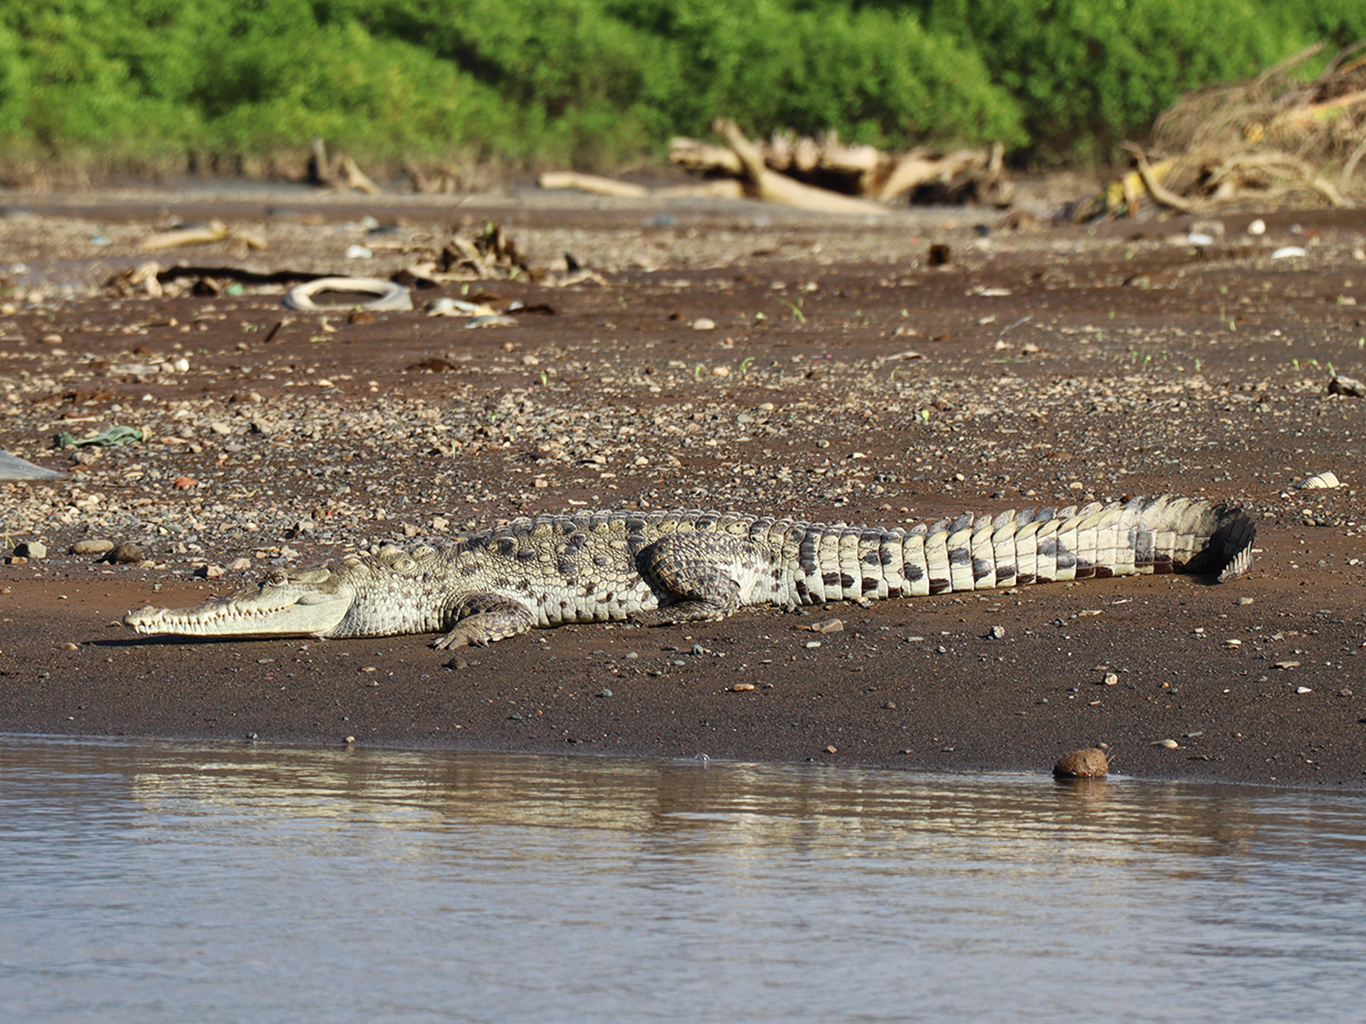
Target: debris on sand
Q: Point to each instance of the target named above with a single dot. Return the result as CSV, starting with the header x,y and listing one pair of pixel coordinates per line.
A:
x,y
817,173
386,295
1275,139
826,169
1349,387
14,468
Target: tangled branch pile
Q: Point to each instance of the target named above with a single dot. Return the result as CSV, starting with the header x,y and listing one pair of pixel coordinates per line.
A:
x,y
790,166
1275,137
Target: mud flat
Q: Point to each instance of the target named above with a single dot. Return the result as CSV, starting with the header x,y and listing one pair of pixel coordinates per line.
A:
x,y
845,379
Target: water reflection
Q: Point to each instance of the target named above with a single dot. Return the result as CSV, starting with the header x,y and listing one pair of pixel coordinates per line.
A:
x,y
151,881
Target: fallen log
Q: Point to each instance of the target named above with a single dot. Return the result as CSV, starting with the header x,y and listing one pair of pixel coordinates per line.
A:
x,y
773,187
594,184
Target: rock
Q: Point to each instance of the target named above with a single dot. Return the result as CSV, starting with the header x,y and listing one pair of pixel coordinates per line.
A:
x,y
1169,744
741,687
241,564
209,572
92,547
1349,386
30,549
827,626
997,632
1088,763
126,553
703,323
14,468
1257,227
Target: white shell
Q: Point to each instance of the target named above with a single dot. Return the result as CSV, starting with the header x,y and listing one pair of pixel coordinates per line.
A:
x,y
1326,479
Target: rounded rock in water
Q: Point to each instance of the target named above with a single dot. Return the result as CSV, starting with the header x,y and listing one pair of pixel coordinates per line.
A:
x,y
1088,763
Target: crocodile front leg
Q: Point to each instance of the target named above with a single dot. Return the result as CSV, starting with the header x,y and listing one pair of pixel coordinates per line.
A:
x,y
484,618
698,571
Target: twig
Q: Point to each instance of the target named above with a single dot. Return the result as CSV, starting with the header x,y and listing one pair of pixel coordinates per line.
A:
x,y
1155,190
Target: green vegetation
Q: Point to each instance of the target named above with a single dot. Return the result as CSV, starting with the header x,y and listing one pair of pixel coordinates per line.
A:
x,y
226,85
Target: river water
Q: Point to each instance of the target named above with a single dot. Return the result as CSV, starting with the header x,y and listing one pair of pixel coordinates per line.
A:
x,y
150,882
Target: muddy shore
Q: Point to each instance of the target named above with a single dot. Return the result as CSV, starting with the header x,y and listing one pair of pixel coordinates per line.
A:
x,y
847,377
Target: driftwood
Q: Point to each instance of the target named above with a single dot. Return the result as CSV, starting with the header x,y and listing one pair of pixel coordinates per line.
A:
x,y
864,171
593,184
213,231
815,173
339,172
1273,139
778,188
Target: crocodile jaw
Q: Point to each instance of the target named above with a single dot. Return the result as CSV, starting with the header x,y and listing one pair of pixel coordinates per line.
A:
x,y
279,606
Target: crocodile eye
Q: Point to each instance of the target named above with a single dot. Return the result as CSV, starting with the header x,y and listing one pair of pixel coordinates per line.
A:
x,y
276,579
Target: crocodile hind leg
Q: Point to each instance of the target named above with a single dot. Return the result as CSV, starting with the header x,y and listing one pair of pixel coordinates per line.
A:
x,y
695,573
484,618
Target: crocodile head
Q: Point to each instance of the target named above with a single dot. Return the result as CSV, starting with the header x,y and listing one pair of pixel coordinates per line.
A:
x,y
308,603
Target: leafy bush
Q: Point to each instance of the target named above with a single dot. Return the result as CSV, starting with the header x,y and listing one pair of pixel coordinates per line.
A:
x,y
175,83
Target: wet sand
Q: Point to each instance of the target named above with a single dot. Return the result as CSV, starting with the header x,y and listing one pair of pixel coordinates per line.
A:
x,y
846,380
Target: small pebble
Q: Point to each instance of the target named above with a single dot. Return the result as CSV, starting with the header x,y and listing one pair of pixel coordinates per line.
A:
x,y
997,632
30,549
826,626
741,687
604,692
1111,679
1169,744
1257,227
703,323
1245,601
812,643
831,749
92,547
1303,689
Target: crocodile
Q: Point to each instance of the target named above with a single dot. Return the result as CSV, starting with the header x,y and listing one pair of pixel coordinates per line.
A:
x,y
688,566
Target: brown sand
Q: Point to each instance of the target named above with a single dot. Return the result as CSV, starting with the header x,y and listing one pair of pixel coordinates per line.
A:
x,y
1146,367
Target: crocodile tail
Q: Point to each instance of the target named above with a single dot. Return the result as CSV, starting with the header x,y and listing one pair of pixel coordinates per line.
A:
x,y
1228,552
1097,540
